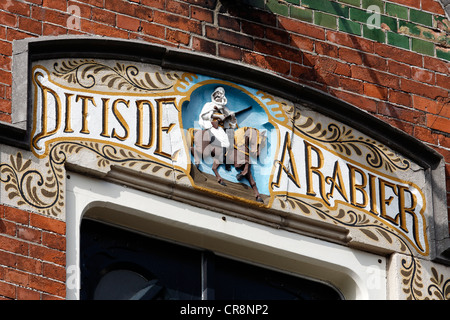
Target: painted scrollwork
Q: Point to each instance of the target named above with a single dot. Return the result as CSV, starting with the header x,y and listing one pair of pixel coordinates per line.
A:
x,y
411,268
88,73
344,141
45,192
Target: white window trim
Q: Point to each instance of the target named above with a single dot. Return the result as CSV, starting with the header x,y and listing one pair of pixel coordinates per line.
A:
x,y
356,274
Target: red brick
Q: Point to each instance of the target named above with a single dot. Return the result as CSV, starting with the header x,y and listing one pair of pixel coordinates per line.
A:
x,y
375,77
303,73
177,36
103,16
48,224
152,29
436,65
400,97
178,22
13,245
5,48
438,123
202,14
375,91
30,25
351,56
128,23
356,100
17,35
8,19
405,114
422,89
230,52
121,6
399,68
47,285
27,294
410,3
443,81
55,4
29,234
426,135
177,7
422,75
28,264
8,228
50,16
397,54
350,41
264,62
280,51
54,272
5,105
16,215
297,26
432,6
325,48
349,84
278,35
253,29
302,43
52,30
229,37
16,7
374,62
226,22
7,290
203,45
17,277
47,254
54,241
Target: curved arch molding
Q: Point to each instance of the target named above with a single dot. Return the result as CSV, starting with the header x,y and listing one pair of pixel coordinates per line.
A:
x,y
292,157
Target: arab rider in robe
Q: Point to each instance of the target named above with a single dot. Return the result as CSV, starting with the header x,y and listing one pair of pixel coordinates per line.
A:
x,y
215,112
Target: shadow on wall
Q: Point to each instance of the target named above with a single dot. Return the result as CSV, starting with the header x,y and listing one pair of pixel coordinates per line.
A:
x,y
307,54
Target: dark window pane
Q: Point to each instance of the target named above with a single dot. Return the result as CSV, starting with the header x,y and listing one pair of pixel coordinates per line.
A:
x,y
236,280
170,271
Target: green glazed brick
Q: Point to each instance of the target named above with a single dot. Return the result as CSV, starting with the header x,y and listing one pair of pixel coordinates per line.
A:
x,y
356,3
359,15
389,22
422,46
301,13
374,34
395,10
278,8
442,23
325,20
379,3
349,26
443,53
327,6
398,40
297,2
408,28
421,17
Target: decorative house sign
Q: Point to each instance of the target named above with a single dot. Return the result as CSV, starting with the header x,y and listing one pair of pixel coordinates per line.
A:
x,y
222,138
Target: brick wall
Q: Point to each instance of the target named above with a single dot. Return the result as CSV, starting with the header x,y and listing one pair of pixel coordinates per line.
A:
x,y
399,72
32,256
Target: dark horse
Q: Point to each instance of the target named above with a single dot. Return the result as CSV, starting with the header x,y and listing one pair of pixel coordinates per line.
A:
x,y
246,143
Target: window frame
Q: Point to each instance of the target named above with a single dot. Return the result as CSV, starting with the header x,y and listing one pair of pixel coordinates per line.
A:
x,y
354,273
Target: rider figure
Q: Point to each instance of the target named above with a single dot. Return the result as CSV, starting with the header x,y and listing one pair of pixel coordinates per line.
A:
x,y
216,117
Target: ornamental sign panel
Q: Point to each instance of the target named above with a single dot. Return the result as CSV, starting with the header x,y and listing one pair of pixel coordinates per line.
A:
x,y
222,138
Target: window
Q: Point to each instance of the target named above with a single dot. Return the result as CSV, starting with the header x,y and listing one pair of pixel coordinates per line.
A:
x,y
117,264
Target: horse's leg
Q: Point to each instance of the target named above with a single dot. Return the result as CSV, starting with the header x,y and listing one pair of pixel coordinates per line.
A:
x,y
199,146
218,154
253,185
